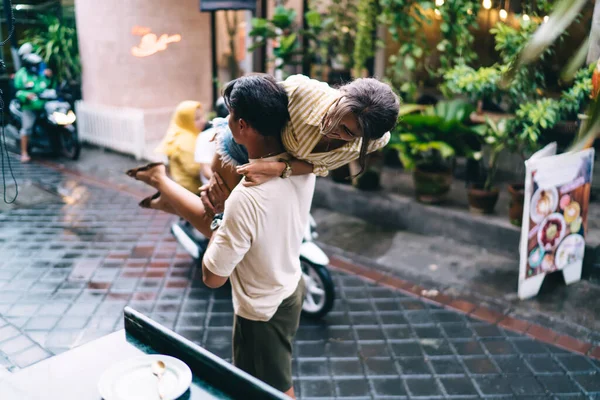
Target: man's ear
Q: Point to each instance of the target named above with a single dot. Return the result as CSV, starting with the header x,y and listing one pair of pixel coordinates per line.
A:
x,y
244,126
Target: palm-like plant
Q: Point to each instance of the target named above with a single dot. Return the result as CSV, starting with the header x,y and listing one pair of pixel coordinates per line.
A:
x,y
56,42
564,14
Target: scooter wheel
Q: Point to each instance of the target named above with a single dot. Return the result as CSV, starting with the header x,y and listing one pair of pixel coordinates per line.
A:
x,y
320,292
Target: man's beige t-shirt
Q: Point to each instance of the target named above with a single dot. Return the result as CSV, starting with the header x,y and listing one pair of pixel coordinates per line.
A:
x,y
258,243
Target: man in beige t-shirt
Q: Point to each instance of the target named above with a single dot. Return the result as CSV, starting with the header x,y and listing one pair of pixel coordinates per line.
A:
x,y
257,242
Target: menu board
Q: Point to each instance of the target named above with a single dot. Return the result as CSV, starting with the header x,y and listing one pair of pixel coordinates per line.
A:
x,y
557,196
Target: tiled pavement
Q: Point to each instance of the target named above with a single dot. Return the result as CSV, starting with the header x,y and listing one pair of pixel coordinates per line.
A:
x,y
70,264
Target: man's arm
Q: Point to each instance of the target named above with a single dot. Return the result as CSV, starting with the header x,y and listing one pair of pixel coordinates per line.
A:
x,y
230,243
211,280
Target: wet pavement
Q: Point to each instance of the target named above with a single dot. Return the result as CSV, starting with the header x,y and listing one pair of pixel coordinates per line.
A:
x,y
70,263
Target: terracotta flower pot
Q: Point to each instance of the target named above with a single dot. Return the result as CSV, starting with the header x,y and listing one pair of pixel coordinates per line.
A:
x,y
517,199
432,187
482,201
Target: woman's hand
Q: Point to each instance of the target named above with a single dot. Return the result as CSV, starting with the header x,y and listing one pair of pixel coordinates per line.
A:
x,y
213,195
260,172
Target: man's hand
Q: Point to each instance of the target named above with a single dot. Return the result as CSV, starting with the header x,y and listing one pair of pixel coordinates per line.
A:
x,y
31,97
48,72
260,172
214,194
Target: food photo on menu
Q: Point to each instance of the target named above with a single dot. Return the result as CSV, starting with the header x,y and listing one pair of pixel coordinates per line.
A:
x,y
558,222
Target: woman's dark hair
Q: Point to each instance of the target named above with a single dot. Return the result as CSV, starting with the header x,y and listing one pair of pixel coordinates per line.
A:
x,y
374,104
260,101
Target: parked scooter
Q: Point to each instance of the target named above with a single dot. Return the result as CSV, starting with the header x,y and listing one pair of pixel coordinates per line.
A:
x,y
320,293
54,131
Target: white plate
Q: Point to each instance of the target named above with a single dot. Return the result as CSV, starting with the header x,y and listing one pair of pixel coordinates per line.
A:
x,y
553,193
570,250
563,230
133,379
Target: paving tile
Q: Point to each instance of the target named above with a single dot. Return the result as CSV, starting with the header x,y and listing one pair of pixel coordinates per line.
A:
x,y
543,364
512,365
576,363
529,346
42,323
589,382
559,384
447,366
15,345
388,387
409,349
8,332
458,331
30,356
345,367
480,365
317,388
460,386
423,387
494,385
380,366
342,349
312,349
313,368
352,388
525,385
503,347
468,348
413,366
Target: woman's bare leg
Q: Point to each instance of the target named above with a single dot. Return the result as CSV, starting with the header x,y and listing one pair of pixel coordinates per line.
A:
x,y
161,204
180,200
183,202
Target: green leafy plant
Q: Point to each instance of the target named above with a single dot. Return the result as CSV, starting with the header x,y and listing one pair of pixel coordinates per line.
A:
x,y
406,20
365,47
535,116
280,29
479,85
434,137
332,34
528,81
498,137
574,98
56,42
459,19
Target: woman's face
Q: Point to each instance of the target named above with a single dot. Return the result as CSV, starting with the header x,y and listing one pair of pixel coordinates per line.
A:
x,y
347,130
199,120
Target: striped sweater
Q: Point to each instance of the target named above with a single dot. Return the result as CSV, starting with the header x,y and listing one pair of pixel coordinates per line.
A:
x,y
309,101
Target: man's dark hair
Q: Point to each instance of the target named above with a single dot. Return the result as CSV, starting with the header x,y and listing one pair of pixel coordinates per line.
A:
x,y
260,101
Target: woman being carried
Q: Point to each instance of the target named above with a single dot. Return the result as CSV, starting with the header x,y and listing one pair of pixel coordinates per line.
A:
x,y
328,129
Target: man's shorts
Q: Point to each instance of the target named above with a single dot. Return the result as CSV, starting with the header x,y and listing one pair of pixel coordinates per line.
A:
x,y
27,122
264,348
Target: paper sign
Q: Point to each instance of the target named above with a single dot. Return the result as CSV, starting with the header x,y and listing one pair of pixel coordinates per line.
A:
x,y
557,196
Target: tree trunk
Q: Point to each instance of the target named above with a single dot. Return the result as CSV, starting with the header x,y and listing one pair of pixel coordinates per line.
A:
x,y
594,50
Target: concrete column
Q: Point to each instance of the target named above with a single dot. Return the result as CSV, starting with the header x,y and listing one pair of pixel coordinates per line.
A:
x,y
159,77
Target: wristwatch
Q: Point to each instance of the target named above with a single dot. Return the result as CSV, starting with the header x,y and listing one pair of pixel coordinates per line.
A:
x,y
216,222
287,171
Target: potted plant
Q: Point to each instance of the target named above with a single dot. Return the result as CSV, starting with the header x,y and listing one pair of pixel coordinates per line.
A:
x,y
283,33
428,143
483,195
481,85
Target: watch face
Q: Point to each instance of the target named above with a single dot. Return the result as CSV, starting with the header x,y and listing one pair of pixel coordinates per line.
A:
x,y
215,224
